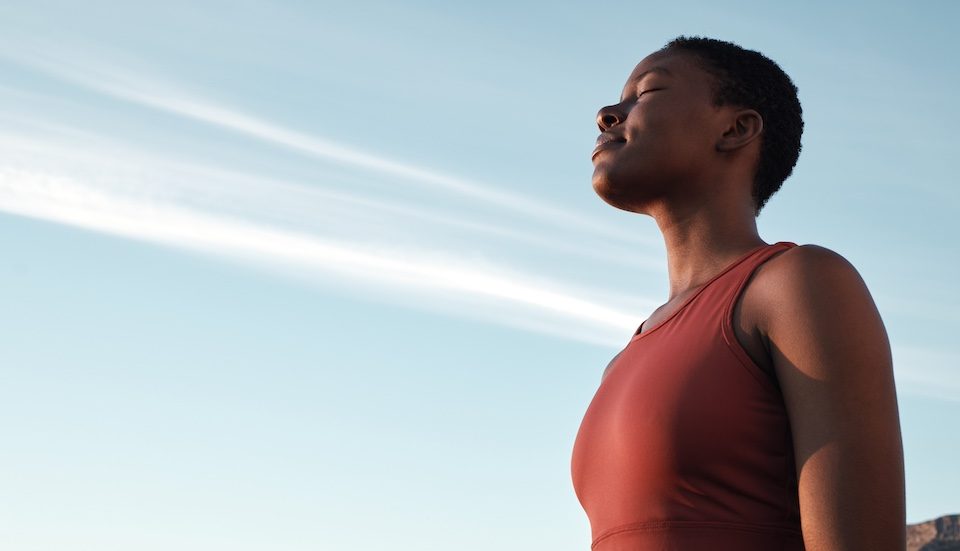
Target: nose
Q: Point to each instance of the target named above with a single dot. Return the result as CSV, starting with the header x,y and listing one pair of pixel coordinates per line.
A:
x,y
609,117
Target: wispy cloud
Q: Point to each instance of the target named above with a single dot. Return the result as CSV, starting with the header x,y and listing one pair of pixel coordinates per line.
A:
x,y
81,153
927,372
273,223
66,200
128,85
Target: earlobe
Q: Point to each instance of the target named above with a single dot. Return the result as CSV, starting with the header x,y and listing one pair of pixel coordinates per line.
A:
x,y
745,127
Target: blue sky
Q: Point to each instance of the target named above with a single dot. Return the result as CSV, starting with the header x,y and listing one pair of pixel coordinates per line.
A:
x,y
332,275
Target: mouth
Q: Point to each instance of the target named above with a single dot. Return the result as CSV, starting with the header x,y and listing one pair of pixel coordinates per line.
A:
x,y
606,142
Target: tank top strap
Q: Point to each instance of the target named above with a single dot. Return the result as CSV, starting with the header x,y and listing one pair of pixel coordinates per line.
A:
x,y
737,277
729,293
734,281
727,286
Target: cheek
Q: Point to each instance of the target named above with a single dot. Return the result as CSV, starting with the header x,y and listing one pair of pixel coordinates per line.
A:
x,y
657,128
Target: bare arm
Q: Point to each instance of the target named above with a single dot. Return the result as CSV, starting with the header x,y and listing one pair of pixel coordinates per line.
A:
x,y
832,358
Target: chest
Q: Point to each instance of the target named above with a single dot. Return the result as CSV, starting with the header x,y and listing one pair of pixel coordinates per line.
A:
x,y
745,319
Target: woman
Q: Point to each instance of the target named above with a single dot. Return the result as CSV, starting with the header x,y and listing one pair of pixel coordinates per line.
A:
x,y
756,409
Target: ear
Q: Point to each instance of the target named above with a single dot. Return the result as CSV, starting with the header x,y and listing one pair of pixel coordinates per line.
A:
x,y
745,126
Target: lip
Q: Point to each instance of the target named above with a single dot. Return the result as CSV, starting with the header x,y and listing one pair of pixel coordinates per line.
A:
x,y
605,142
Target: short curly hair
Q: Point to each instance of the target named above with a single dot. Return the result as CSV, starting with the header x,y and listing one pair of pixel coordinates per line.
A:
x,y
746,78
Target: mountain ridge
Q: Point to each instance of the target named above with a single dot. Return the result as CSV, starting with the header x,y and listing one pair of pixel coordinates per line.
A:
x,y
939,534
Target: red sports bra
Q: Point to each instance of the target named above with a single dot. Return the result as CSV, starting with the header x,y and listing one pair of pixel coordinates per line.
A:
x,y
686,444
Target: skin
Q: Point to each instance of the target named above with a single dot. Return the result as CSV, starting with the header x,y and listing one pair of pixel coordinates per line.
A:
x,y
806,313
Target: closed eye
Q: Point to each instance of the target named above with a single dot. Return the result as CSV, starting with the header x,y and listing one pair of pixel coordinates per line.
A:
x,y
641,94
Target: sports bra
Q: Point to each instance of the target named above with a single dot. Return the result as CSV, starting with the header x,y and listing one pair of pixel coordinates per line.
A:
x,y
686,444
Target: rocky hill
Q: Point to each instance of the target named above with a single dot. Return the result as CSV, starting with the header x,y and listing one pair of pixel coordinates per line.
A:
x,y
939,534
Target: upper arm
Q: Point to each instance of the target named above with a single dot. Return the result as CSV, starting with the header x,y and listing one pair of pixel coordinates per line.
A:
x,y
832,359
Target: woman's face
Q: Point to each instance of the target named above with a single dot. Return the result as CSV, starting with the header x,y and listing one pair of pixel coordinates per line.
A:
x,y
660,140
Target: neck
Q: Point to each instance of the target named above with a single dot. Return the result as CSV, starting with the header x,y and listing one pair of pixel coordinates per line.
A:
x,y
701,240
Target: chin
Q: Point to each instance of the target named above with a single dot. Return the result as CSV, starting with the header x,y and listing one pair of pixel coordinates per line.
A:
x,y
621,195
617,198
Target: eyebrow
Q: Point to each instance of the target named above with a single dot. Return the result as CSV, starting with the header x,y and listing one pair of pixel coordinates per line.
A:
x,y
654,69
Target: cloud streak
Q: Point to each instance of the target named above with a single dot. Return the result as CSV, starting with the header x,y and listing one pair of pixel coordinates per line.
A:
x,y
927,372
123,84
66,200
257,196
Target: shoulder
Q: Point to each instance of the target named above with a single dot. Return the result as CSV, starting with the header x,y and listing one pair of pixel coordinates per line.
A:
x,y
810,303
812,278
805,264
818,320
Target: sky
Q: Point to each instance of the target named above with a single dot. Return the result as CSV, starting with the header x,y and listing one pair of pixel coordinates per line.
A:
x,y
331,275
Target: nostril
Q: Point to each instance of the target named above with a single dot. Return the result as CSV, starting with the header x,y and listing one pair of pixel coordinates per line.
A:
x,y
607,120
